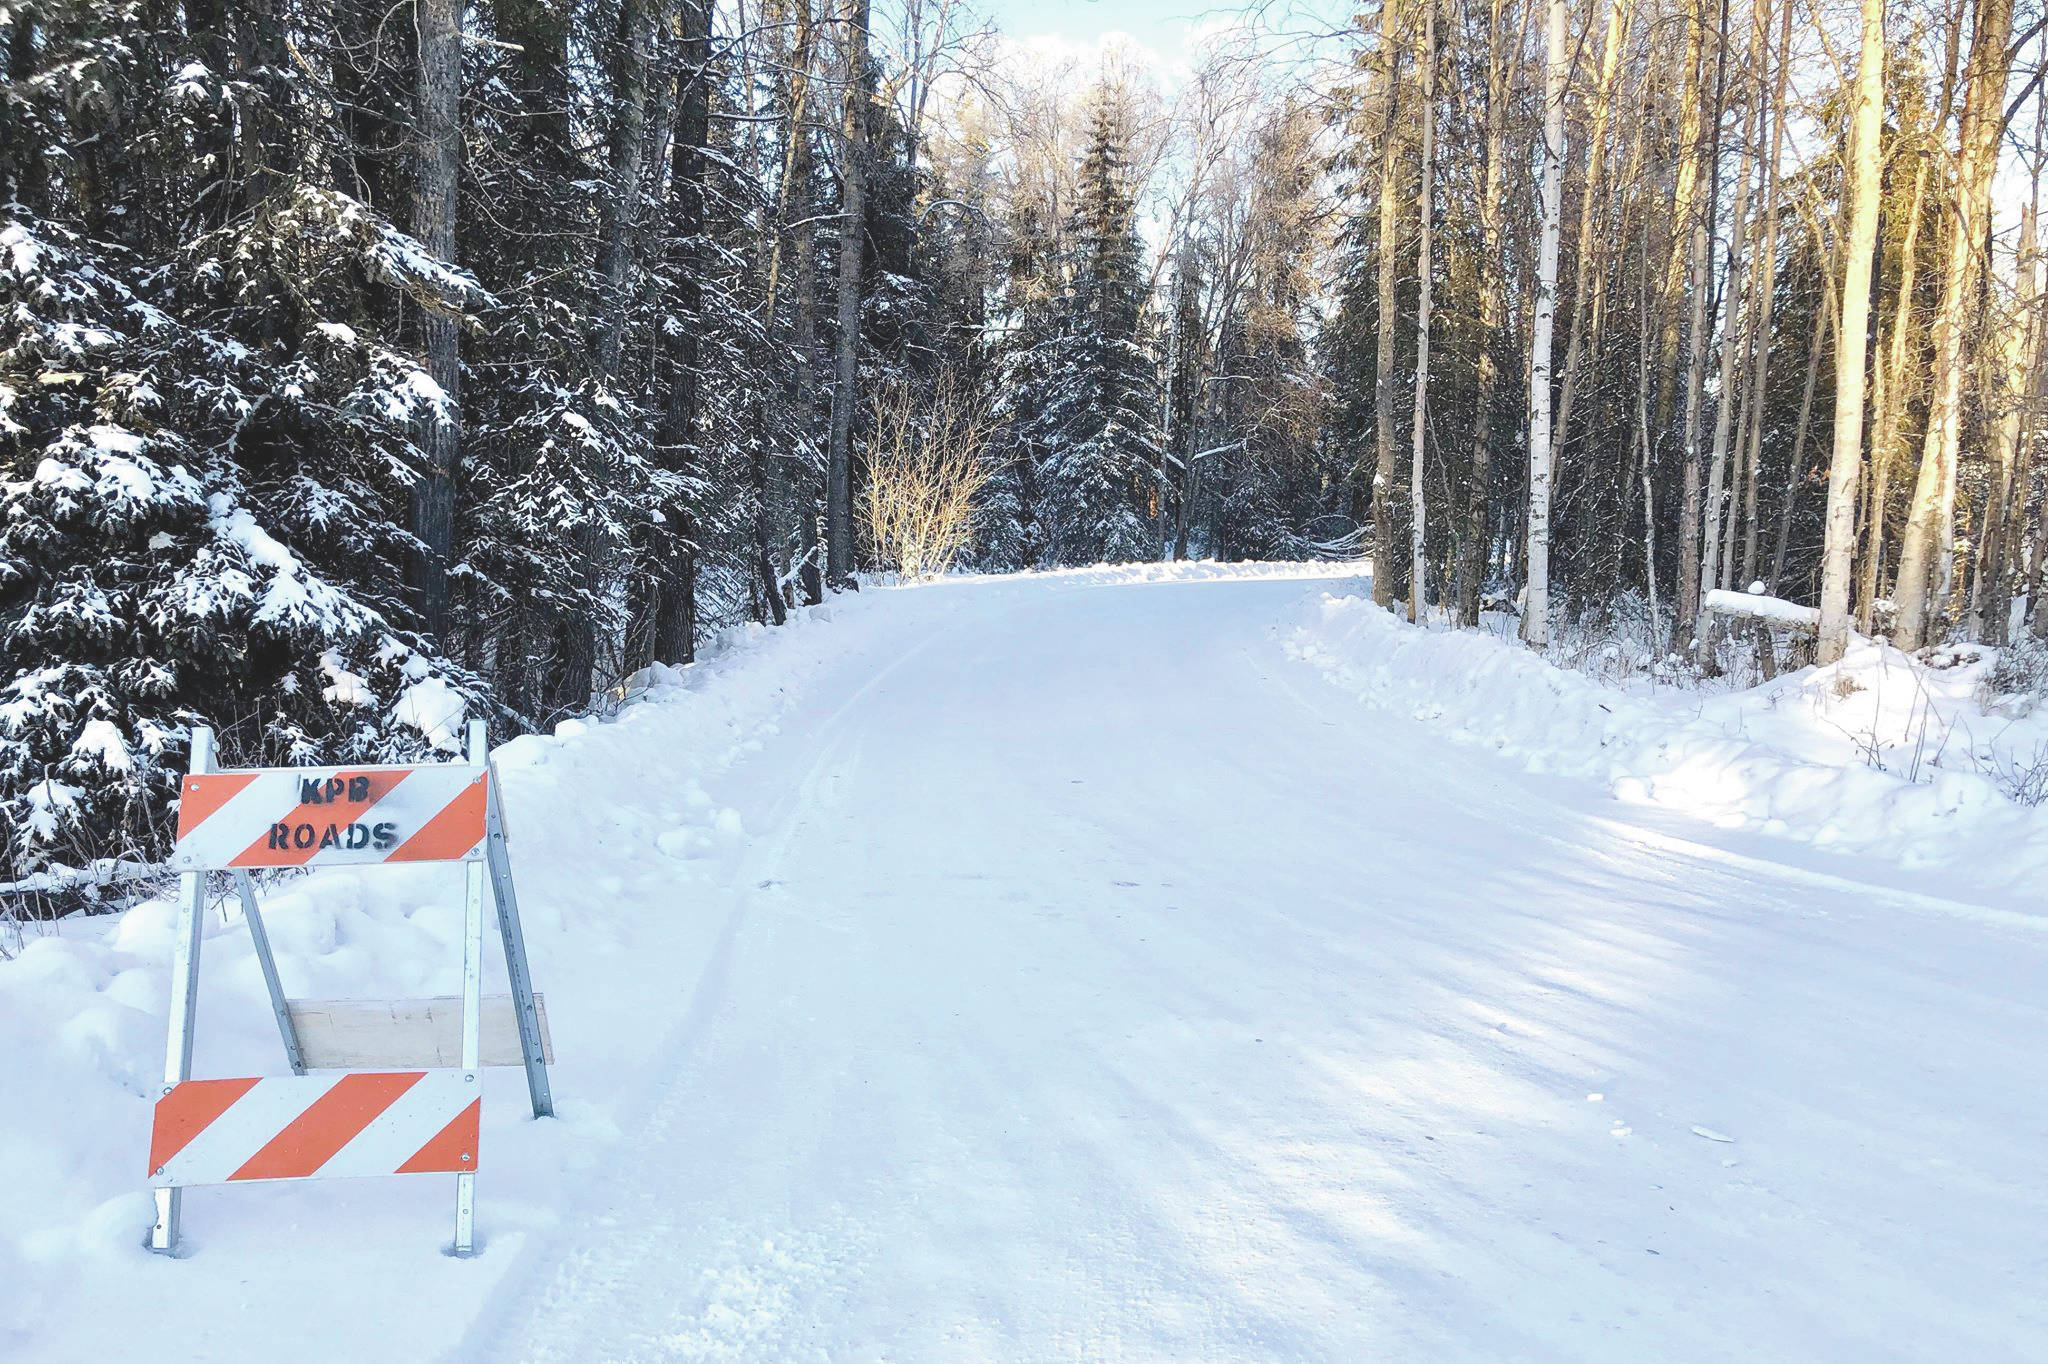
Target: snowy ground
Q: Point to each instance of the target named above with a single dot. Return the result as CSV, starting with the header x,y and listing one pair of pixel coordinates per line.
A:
x,y
1063,968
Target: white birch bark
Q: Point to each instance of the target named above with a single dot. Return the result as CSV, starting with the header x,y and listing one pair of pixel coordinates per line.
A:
x,y
1859,242
1536,615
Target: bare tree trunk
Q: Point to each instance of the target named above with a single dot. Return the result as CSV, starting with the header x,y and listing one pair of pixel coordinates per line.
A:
x,y
1646,452
433,222
627,157
1388,246
1425,209
1889,400
1760,374
1536,619
797,165
1585,305
853,157
805,340
1733,300
2013,346
1708,155
1472,551
1852,334
664,601
1932,518
1690,79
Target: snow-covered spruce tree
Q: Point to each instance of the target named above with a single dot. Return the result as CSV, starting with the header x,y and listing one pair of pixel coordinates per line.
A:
x,y
1081,381
195,531
205,443
556,459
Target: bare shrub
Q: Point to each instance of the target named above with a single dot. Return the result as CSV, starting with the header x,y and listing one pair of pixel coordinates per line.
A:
x,y
927,463
2022,777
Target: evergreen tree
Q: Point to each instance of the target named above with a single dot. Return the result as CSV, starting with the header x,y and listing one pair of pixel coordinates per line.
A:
x,y
1083,385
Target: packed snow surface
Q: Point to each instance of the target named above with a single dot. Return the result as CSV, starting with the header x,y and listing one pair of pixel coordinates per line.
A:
x,y
1061,967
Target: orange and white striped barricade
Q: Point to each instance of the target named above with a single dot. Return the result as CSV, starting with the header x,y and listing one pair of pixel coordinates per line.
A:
x,y
418,1110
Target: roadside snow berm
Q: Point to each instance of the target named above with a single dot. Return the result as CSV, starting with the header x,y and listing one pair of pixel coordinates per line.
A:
x,y
422,1119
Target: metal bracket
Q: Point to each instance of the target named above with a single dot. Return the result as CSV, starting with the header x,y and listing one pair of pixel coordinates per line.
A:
x,y
516,971
260,936
472,1001
163,1235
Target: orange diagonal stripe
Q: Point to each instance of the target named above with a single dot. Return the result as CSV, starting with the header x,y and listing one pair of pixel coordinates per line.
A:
x,y
341,812
331,1122
188,1110
200,796
445,1152
454,831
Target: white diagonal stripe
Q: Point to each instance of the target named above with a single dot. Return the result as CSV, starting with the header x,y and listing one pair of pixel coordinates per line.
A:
x,y
240,822
248,1125
402,1129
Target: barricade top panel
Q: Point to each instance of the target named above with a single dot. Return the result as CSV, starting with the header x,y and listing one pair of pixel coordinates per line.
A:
x,y
329,816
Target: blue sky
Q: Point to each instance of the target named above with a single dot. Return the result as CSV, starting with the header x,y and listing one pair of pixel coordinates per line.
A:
x,y
1163,29
1161,25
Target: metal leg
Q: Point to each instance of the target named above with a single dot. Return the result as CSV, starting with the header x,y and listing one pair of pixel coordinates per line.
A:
x,y
260,936
516,970
163,1236
472,1004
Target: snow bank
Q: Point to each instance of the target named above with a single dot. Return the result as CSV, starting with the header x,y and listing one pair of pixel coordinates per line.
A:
x,y
1879,755
612,826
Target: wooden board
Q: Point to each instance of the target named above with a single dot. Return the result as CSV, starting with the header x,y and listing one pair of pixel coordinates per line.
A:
x,y
408,1034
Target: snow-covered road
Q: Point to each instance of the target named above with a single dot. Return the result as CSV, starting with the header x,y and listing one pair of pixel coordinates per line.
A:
x,y
1062,968
1098,983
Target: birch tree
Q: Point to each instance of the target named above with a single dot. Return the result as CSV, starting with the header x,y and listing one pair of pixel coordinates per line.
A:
x,y
1536,610
1924,561
1859,242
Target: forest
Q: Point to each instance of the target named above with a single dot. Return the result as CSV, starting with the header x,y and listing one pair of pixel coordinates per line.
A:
x,y
364,365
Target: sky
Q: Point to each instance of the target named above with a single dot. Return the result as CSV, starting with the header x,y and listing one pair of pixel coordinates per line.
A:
x,y
1162,27
1165,33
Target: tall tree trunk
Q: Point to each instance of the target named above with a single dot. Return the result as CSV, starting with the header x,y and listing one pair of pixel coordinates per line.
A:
x,y
1766,303
799,171
1889,401
1183,396
1425,208
1587,260
853,158
433,222
1933,512
620,205
1690,79
1474,543
1863,186
1646,450
2009,380
1707,153
1733,301
1536,619
793,195
664,602
1383,575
